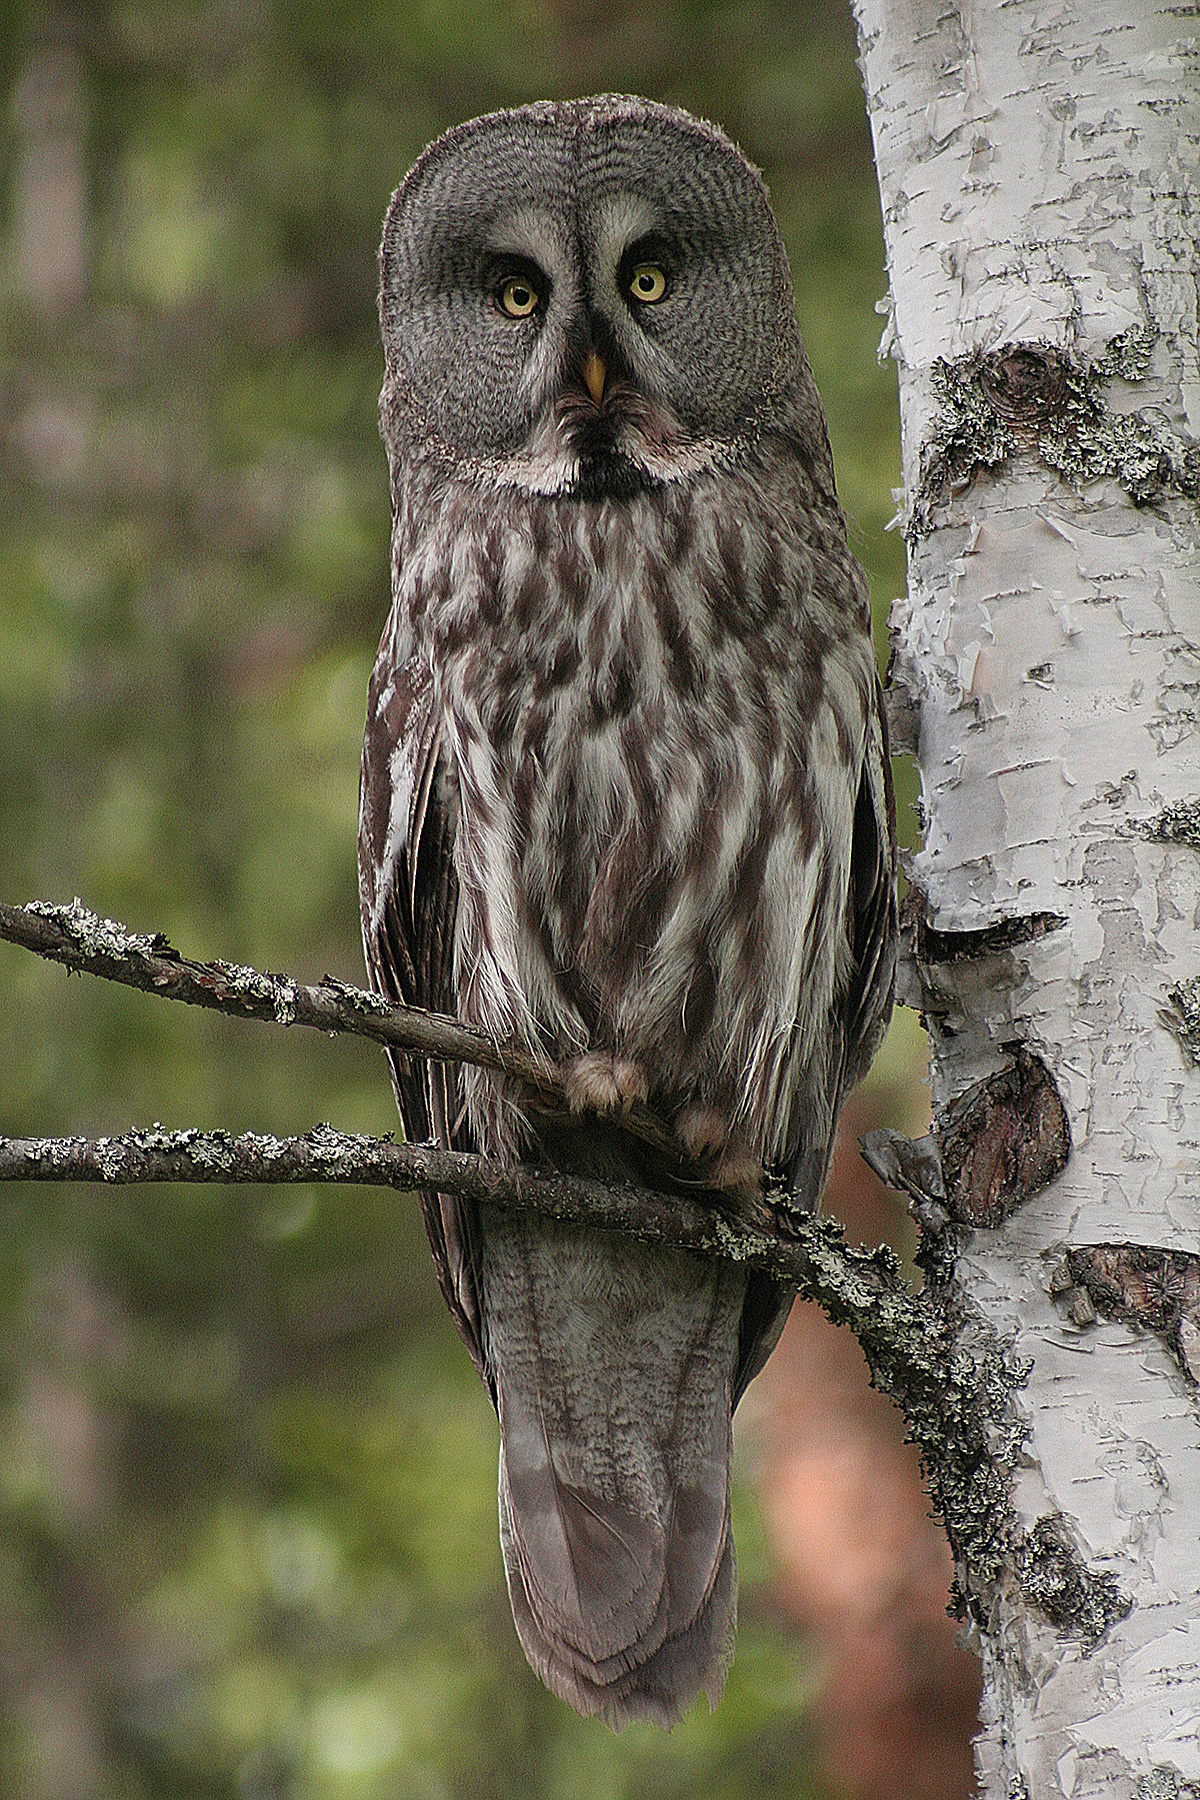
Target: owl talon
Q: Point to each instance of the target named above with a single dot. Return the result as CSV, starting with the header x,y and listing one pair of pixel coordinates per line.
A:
x,y
600,1083
727,1161
702,1131
737,1167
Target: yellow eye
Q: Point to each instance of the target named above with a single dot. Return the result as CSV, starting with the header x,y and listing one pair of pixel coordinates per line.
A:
x,y
519,297
648,283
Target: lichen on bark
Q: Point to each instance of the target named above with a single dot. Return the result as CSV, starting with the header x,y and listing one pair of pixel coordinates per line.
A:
x,y
1039,398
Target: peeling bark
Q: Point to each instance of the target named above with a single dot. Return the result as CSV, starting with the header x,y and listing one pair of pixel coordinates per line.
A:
x,y
1039,167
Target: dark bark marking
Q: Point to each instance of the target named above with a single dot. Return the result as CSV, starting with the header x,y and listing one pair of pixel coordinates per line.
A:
x,y
1001,1142
1147,1287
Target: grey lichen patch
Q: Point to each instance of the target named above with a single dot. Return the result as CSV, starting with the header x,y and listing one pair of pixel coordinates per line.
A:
x,y
1127,355
1055,1579
102,937
336,1152
212,1150
969,434
285,1000
1036,397
360,999
1165,1784
955,1381
1178,823
728,1242
1184,1020
110,1157
248,984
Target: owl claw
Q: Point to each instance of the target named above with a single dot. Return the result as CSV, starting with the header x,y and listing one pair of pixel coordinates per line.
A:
x,y
728,1162
737,1167
600,1083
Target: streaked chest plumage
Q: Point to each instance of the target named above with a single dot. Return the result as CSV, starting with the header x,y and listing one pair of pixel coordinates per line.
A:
x,y
653,728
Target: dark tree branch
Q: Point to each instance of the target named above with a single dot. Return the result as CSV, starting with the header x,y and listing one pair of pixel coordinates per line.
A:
x,y
81,940
795,1251
954,1397
809,1255
953,1383
326,1155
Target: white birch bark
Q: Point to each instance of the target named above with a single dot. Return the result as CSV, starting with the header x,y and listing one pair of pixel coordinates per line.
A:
x,y
1039,167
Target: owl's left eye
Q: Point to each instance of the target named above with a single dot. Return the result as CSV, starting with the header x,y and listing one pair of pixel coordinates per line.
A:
x,y
519,297
647,283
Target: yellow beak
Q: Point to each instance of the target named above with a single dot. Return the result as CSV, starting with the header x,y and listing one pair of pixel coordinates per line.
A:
x,y
594,373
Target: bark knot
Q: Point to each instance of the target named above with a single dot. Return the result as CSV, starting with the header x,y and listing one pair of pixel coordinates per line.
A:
x,y
1001,1142
1023,383
1150,1288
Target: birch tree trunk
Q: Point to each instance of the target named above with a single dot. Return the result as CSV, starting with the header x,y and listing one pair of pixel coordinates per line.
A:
x,y
1039,167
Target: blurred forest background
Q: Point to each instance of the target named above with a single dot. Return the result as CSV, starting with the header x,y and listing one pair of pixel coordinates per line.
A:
x,y
247,1477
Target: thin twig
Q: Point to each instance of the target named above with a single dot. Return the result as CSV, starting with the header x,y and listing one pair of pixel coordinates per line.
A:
x,y
79,939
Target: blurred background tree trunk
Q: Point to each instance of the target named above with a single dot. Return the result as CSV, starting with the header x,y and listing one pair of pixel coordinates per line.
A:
x,y
1038,179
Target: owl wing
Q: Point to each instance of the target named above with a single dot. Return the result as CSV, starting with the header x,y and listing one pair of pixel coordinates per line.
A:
x,y
408,897
871,919
856,1031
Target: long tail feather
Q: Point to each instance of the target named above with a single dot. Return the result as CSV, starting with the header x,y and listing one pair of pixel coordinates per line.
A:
x,y
613,1366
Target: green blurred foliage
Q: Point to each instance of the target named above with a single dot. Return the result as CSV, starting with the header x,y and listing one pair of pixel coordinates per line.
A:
x,y
247,1477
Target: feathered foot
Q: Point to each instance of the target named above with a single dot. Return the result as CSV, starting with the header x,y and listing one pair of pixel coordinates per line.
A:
x,y
602,1083
726,1159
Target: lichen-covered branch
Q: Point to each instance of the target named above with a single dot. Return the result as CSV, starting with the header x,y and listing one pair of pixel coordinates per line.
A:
x,y
954,1385
858,1286
81,940
795,1251
955,1394
325,1155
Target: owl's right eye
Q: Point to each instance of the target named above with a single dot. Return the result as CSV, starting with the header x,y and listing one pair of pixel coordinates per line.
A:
x,y
518,297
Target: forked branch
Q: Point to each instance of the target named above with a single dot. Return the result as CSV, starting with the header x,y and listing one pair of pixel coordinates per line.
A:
x,y
955,1396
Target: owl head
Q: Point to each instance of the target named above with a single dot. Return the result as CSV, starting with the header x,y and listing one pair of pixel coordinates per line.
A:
x,y
586,299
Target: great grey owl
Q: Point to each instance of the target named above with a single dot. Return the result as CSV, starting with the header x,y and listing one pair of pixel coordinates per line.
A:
x,y
625,801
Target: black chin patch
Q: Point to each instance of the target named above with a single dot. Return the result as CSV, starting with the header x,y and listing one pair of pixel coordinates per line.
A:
x,y
605,471
595,436
608,475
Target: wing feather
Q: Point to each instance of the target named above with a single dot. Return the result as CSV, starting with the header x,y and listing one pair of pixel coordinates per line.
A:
x,y
855,1033
408,895
871,917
